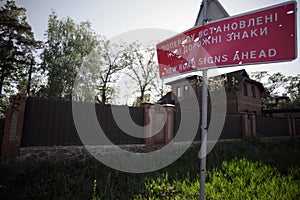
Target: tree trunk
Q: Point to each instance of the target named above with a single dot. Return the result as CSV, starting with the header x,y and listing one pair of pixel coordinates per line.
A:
x,y
29,77
142,95
1,83
103,96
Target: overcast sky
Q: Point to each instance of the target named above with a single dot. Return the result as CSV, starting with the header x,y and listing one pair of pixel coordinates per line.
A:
x,y
155,19
162,18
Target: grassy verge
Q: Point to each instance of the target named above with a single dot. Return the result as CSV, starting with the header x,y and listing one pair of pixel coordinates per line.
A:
x,y
236,170
235,179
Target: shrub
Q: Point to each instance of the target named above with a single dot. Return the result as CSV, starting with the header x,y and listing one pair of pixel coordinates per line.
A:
x,y
237,179
244,179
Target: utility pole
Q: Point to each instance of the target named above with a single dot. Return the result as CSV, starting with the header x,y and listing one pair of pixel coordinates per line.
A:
x,y
204,118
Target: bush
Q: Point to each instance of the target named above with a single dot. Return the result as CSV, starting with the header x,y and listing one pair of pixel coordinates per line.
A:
x,y
237,179
244,179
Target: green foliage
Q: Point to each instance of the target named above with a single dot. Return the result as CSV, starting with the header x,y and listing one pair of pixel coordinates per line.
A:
x,y
17,45
293,88
95,197
254,140
236,179
159,188
162,188
236,170
66,46
139,102
100,71
271,82
244,179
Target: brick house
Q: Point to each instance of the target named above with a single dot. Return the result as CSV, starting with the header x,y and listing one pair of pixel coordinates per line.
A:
x,y
244,95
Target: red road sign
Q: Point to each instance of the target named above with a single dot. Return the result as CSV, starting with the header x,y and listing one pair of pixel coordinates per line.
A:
x,y
262,36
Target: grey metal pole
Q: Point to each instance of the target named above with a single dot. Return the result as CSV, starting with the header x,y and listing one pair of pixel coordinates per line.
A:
x,y
204,118
203,136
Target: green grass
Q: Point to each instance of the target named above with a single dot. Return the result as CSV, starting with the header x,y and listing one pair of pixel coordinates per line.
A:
x,y
236,170
235,179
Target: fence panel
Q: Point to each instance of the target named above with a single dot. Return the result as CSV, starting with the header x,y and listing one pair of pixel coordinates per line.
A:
x,y
50,122
185,125
297,126
232,127
272,127
2,123
113,131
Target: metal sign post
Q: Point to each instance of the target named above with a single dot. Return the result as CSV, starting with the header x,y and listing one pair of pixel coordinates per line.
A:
x,y
203,135
204,119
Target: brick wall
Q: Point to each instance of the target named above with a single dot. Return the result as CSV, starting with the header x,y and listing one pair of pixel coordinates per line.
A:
x,y
165,117
158,123
249,103
13,127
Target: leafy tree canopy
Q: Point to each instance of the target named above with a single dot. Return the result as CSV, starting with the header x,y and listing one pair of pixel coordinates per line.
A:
x,y
17,46
66,46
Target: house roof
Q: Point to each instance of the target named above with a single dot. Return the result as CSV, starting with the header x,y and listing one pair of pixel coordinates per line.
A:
x,y
191,77
240,76
165,98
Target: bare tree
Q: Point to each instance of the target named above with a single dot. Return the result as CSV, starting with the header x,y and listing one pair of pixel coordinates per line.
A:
x,y
102,68
160,87
143,70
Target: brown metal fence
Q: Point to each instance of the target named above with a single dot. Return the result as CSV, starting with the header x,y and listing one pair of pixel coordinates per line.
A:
x,y
297,126
186,125
272,127
50,122
232,126
2,123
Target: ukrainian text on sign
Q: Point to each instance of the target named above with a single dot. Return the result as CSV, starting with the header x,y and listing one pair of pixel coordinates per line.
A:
x,y
267,35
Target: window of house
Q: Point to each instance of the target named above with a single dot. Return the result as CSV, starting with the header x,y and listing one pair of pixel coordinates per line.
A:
x,y
245,89
186,90
253,91
179,92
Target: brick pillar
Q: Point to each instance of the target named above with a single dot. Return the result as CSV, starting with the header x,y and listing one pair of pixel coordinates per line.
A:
x,y
148,129
245,125
253,124
292,126
169,126
14,117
